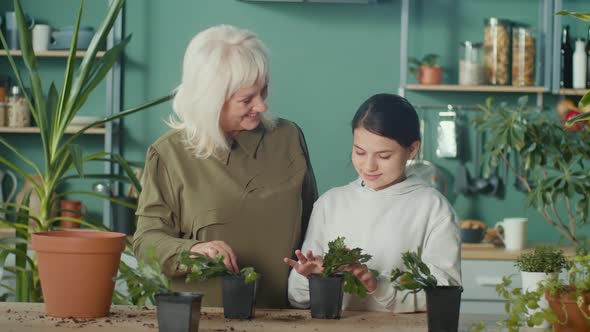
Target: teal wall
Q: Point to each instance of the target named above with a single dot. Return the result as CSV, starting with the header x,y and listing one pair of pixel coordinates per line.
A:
x,y
326,59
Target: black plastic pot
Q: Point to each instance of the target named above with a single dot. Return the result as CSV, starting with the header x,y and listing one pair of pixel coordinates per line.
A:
x,y
443,304
124,217
325,295
179,311
239,298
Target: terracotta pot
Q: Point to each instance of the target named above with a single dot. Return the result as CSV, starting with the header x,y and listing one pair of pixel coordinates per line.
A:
x,y
76,269
429,75
573,319
71,209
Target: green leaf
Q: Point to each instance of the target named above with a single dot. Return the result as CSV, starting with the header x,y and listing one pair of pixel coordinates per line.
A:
x,y
76,154
129,171
581,16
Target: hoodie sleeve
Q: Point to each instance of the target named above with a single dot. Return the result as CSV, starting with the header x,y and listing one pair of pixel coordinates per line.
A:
x,y
442,251
315,241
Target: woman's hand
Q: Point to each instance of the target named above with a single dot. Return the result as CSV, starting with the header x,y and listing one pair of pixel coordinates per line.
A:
x,y
362,273
307,264
214,248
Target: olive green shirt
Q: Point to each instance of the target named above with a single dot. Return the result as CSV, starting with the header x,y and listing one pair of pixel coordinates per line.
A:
x,y
257,197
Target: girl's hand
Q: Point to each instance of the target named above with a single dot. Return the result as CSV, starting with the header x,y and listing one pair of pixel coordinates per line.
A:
x,y
308,264
362,273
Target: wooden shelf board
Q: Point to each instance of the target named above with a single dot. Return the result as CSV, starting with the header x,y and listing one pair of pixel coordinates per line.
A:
x,y
573,92
35,130
50,54
476,88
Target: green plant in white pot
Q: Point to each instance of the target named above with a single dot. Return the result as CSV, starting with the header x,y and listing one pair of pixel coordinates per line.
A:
x,y
53,111
539,265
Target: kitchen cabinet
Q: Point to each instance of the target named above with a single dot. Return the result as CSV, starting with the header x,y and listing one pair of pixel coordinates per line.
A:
x,y
112,103
480,278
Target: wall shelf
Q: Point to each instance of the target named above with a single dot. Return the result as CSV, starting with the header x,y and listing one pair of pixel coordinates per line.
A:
x,y
476,88
50,54
35,130
573,92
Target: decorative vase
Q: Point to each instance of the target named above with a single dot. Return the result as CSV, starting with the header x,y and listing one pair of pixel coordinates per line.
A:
x,y
429,75
71,209
77,271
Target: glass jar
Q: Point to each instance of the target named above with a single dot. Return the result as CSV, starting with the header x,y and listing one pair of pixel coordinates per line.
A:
x,y
18,114
471,69
523,56
497,51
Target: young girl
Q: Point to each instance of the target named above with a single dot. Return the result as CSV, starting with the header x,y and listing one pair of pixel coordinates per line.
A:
x,y
383,212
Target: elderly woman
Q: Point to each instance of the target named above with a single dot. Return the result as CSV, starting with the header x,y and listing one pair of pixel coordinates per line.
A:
x,y
228,178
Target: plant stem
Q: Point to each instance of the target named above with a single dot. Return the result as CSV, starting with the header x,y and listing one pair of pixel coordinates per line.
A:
x,y
570,215
516,173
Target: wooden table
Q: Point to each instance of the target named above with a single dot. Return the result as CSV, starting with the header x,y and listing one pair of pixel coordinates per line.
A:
x,y
25,317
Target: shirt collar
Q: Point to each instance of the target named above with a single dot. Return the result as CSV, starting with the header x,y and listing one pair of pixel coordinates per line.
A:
x,y
248,140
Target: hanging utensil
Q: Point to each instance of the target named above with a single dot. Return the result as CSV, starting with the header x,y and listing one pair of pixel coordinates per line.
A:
x,y
462,178
424,169
480,183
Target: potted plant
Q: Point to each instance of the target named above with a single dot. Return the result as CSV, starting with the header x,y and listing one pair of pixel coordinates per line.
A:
x,y
239,289
176,311
326,289
539,265
569,300
546,159
442,302
53,111
427,70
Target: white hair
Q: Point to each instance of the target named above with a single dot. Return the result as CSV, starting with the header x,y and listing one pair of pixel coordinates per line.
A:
x,y
217,63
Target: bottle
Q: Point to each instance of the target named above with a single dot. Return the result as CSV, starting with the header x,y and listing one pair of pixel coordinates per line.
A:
x,y
579,65
566,59
18,114
588,60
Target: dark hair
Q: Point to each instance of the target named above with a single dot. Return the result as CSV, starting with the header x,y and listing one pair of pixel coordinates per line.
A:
x,y
390,116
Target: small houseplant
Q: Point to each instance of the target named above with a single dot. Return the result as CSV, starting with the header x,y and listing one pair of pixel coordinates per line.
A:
x,y
547,160
442,302
53,111
239,289
176,311
427,70
326,289
569,301
539,265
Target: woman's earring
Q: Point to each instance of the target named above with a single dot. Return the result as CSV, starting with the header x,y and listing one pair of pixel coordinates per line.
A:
x,y
362,183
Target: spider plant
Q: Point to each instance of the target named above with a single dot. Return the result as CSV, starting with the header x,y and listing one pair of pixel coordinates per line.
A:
x,y
61,154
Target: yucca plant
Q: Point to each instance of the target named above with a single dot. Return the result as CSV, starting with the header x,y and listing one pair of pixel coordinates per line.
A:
x,y
61,155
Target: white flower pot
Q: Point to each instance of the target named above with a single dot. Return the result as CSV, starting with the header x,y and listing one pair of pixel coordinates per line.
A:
x,y
530,282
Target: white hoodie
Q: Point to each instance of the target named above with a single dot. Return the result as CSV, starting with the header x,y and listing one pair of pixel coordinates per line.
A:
x,y
385,223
